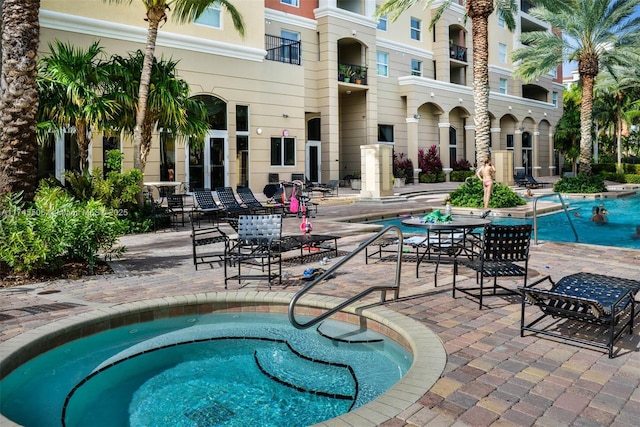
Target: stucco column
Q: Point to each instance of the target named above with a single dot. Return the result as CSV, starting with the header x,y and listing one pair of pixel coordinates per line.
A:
x,y
536,152
470,143
552,156
496,142
443,147
517,149
377,171
412,143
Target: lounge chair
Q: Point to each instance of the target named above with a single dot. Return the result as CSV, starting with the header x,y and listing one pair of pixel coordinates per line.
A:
x,y
210,245
229,202
533,183
521,180
207,207
249,200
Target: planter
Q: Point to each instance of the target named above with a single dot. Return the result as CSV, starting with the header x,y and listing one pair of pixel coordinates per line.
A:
x,y
356,184
399,182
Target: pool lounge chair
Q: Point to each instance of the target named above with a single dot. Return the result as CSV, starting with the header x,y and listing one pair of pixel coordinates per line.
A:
x,y
207,207
230,204
249,200
533,183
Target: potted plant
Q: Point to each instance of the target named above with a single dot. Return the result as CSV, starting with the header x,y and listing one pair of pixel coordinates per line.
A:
x,y
402,169
359,75
356,183
346,72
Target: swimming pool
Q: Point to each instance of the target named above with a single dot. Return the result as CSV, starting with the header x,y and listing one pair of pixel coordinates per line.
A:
x,y
623,218
163,373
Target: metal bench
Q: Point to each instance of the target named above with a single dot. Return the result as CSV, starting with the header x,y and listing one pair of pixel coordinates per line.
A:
x,y
592,300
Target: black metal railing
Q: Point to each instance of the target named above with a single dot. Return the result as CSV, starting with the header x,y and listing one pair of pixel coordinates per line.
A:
x,y
283,50
350,73
526,5
458,52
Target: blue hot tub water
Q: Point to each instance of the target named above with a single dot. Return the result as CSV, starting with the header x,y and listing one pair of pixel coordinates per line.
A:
x,y
220,369
618,231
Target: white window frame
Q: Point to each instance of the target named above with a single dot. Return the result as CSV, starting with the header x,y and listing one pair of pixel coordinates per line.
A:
x,y
294,3
417,70
210,14
554,98
503,86
382,23
290,35
502,53
382,64
416,29
501,22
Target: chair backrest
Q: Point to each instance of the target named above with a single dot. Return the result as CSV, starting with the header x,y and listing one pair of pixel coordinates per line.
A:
x,y
259,228
274,178
531,179
175,201
205,200
509,243
247,197
228,199
298,177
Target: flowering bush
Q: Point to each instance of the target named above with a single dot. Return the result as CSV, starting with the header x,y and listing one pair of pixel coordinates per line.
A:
x,y
402,166
462,165
429,161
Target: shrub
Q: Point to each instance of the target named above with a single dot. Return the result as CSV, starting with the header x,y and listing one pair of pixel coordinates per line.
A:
x,y
462,165
580,183
632,178
429,161
615,177
402,166
461,175
54,229
471,194
426,178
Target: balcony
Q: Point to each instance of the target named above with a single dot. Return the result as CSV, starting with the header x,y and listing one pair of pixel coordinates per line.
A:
x,y
282,50
349,73
526,5
458,52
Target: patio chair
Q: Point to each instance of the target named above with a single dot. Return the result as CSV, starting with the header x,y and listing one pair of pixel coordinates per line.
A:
x,y
504,252
533,183
209,244
520,179
175,204
229,202
160,216
249,200
207,207
258,244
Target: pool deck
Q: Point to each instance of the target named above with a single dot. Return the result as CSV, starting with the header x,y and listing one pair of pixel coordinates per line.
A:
x,y
492,377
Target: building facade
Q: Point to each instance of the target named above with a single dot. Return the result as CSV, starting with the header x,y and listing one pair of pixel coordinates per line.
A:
x,y
311,82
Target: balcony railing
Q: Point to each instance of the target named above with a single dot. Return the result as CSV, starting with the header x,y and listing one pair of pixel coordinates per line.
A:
x,y
526,5
282,50
458,52
350,73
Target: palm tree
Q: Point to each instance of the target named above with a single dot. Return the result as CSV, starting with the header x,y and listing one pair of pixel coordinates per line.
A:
x,y
567,136
71,83
184,11
618,90
479,12
597,34
168,103
19,97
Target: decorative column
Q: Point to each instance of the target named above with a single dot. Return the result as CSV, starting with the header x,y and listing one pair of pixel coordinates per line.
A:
x,y
412,143
470,143
536,151
517,150
552,155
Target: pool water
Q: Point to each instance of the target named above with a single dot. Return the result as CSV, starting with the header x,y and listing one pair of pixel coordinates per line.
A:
x,y
226,369
618,231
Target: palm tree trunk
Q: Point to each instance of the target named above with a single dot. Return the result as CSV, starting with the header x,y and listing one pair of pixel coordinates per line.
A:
x,y
83,143
19,97
139,159
479,12
586,114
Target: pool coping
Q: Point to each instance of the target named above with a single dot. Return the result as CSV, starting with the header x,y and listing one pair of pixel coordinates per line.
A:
x,y
429,355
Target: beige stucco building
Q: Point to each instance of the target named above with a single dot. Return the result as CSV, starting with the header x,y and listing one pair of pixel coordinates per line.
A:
x,y
279,102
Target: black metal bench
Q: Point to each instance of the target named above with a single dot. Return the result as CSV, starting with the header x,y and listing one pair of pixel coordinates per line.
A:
x,y
589,299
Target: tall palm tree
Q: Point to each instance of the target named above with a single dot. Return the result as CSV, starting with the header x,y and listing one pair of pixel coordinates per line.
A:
x,y
567,136
156,13
479,12
71,81
19,97
597,34
168,103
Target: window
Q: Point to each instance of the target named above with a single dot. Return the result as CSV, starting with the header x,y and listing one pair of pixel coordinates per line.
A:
x,y
382,59
416,26
554,99
242,118
283,151
211,17
416,68
290,49
385,133
503,85
167,156
295,3
500,20
382,23
502,52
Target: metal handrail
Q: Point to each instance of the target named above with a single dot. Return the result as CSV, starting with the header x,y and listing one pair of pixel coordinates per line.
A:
x,y
535,215
383,289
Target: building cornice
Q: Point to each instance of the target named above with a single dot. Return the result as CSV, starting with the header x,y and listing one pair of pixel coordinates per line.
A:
x,y
290,19
403,48
355,18
97,28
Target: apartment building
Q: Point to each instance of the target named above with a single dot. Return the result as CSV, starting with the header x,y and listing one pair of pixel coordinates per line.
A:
x,y
311,82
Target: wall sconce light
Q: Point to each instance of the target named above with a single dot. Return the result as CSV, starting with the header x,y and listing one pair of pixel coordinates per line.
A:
x,y
259,131
460,100
285,115
348,92
433,94
417,116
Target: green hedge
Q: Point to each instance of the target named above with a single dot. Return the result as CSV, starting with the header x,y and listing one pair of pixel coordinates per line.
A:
x,y
460,176
471,194
426,178
580,184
